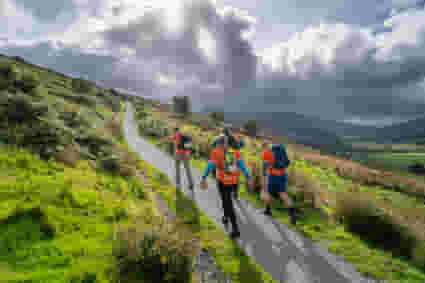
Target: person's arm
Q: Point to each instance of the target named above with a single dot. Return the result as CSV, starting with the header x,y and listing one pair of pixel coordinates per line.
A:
x,y
242,166
241,142
265,168
210,167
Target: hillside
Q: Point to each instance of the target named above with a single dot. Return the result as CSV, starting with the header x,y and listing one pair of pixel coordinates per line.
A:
x,y
407,132
374,219
76,200
316,132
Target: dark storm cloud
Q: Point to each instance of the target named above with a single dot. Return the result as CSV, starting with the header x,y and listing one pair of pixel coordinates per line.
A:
x,y
235,63
329,70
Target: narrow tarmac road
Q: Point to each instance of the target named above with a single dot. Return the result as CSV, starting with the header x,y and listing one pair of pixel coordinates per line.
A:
x,y
287,256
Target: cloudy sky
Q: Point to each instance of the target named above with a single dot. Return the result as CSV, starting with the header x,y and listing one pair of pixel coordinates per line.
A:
x,y
356,60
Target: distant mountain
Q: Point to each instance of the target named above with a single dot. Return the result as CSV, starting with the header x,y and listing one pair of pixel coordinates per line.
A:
x,y
406,132
302,129
314,131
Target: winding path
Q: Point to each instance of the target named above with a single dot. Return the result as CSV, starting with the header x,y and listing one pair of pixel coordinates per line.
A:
x,y
283,253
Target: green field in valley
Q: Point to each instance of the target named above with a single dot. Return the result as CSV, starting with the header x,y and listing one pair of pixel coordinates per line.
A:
x,y
390,160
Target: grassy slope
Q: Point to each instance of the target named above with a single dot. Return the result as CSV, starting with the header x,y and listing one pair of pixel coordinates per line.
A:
x,y
59,223
368,258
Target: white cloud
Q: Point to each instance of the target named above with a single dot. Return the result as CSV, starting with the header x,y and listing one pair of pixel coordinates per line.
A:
x,y
15,21
195,46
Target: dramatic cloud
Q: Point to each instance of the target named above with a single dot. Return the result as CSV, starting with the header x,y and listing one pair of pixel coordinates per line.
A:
x,y
337,59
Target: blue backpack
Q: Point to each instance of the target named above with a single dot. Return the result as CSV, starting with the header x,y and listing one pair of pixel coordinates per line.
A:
x,y
281,159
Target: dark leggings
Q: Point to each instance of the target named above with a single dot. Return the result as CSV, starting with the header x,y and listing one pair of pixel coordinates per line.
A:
x,y
227,201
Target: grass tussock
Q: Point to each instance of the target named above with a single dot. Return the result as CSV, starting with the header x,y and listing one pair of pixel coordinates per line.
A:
x,y
70,155
162,253
113,127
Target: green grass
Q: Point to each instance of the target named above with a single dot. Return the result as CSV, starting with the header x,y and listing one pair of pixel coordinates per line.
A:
x,y
56,222
368,259
391,160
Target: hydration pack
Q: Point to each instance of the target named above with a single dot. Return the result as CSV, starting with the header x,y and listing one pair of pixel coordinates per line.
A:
x,y
185,142
281,159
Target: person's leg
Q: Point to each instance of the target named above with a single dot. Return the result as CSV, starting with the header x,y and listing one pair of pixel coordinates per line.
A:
x,y
229,210
283,181
271,190
235,192
221,189
178,179
285,197
186,163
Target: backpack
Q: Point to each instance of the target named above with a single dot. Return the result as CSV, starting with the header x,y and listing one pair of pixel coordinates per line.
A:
x,y
234,143
185,142
281,159
230,162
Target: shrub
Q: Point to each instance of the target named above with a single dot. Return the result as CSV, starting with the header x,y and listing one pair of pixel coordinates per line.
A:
x,y
81,86
9,74
29,82
164,254
84,100
73,118
97,144
111,163
48,137
19,108
70,155
217,116
362,217
113,127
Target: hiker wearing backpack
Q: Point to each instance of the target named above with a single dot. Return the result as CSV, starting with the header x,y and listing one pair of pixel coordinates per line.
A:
x,y
228,162
183,145
235,143
275,162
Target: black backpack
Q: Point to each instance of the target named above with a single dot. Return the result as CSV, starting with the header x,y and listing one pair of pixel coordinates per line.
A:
x,y
281,159
185,142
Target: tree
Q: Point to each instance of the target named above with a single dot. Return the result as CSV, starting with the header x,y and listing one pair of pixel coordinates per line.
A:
x,y
217,116
251,127
181,105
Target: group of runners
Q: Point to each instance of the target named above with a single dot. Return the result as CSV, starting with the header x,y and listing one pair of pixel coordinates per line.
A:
x,y
226,159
